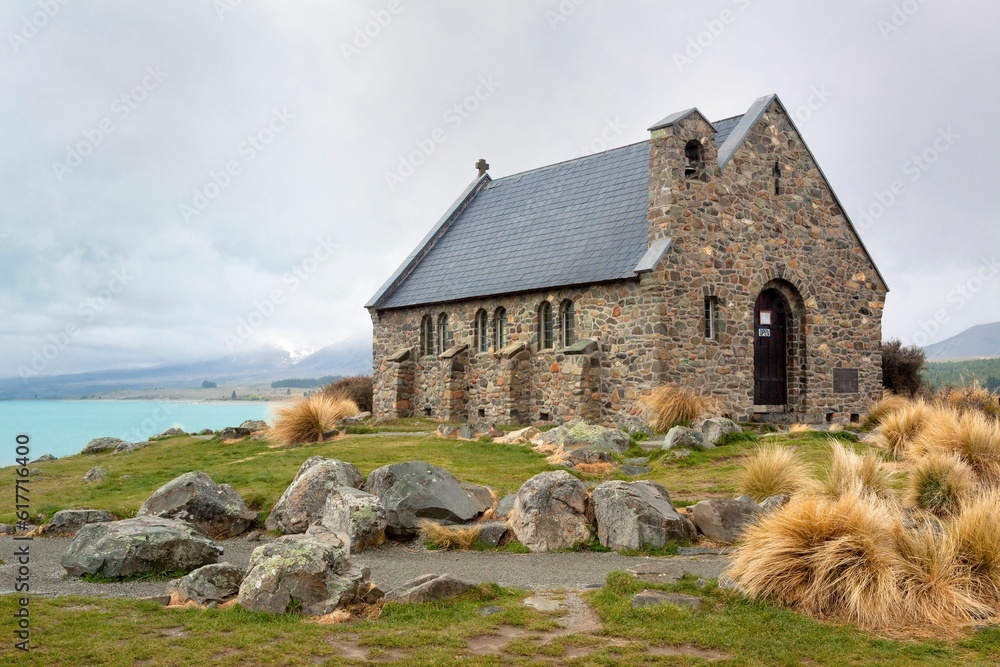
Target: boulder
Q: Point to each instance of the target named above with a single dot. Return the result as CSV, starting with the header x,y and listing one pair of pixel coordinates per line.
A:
x,y
505,506
638,515
253,425
716,428
722,520
588,456
773,503
299,572
491,533
44,458
480,495
233,433
95,474
98,445
578,434
552,511
195,497
429,588
518,437
653,598
681,436
173,431
206,431
210,583
69,522
129,447
304,499
355,518
143,545
447,431
418,490
356,419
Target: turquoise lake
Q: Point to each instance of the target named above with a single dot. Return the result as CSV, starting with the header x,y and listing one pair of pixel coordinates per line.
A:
x,y
62,428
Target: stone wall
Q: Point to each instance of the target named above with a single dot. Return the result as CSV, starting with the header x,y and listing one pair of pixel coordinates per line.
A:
x,y
735,233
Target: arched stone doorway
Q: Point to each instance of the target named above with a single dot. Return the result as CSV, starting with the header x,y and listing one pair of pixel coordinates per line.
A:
x,y
779,347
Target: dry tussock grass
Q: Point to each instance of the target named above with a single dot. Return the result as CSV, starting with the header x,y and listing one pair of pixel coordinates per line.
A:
x,y
971,435
448,537
671,405
938,483
772,470
307,419
971,398
599,468
800,428
977,535
889,402
850,472
899,428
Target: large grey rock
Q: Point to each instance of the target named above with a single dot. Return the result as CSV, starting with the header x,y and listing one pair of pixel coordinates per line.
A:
x,y
253,426
578,434
44,458
195,497
429,588
418,490
98,445
142,545
69,522
210,583
354,517
95,474
172,431
638,515
505,506
126,447
299,572
491,533
722,520
552,511
304,499
716,428
681,436
479,494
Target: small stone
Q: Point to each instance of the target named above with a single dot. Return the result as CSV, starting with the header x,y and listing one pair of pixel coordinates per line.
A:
x,y
687,437
491,533
447,431
95,474
429,588
505,506
543,604
466,432
44,458
69,522
717,428
98,445
652,598
209,583
490,610
774,503
162,600
233,433
254,426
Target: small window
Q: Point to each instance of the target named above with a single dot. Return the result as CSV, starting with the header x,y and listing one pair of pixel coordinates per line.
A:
x,y
482,413
567,324
711,312
693,156
482,332
426,336
545,337
776,172
443,335
500,328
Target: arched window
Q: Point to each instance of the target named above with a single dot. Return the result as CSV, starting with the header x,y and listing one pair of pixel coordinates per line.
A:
x,y
482,332
500,328
426,336
545,326
693,157
443,335
567,324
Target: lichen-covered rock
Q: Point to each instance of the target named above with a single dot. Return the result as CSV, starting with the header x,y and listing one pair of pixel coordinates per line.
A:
x,y
303,501
722,520
173,431
142,545
638,515
682,436
95,474
429,588
98,445
518,437
253,426
447,431
195,497
44,458
233,433
552,511
129,447
69,522
418,490
578,434
774,503
301,573
355,518
716,428
210,583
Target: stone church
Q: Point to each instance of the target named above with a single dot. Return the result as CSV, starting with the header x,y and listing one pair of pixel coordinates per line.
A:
x,y
714,256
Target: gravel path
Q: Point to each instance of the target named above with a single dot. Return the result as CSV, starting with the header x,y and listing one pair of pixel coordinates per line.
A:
x,y
391,564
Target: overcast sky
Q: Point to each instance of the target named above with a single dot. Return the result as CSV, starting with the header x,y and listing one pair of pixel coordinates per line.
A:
x,y
192,178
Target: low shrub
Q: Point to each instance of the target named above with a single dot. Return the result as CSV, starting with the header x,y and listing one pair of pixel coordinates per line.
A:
x,y
358,389
901,368
307,419
772,470
671,405
971,398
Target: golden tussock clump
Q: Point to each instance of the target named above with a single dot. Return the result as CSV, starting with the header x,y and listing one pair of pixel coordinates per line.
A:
x,y
972,436
670,405
850,471
938,483
976,532
889,402
772,470
971,398
448,537
800,428
899,428
307,419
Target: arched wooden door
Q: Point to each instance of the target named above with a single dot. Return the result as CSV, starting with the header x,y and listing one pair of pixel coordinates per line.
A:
x,y
770,357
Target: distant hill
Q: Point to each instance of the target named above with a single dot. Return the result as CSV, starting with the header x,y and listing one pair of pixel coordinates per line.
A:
x,y
978,342
350,357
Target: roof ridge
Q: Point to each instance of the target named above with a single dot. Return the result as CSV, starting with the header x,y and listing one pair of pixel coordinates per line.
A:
x,y
572,159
